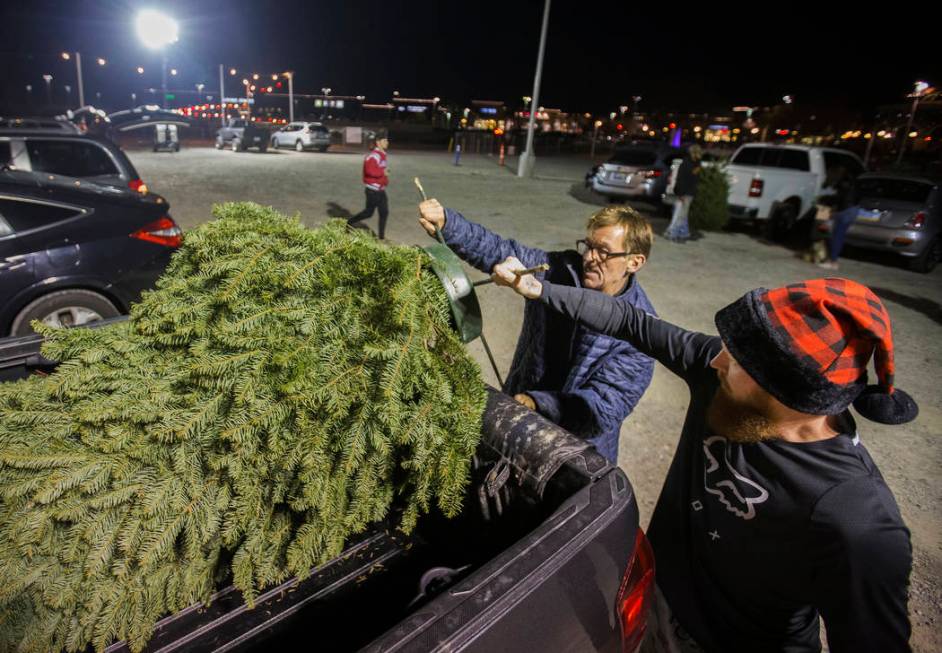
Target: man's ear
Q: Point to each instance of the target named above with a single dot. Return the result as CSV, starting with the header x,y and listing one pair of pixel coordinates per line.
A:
x,y
636,262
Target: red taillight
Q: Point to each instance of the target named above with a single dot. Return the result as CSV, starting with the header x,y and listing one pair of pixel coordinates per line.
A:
x,y
163,232
138,185
653,174
636,594
917,220
755,188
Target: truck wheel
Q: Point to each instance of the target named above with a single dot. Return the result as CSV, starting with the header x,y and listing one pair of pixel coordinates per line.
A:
x,y
219,144
929,257
236,145
63,308
274,143
323,148
299,147
780,222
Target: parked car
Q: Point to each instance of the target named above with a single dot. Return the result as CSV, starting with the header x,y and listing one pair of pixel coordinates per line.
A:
x,y
546,555
900,214
774,186
302,136
40,124
68,155
75,251
634,171
240,134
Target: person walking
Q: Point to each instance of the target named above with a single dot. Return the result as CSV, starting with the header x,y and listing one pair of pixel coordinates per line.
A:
x,y
375,180
685,188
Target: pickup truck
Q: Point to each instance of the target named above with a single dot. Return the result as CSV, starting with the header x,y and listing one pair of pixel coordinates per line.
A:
x,y
547,555
776,185
240,134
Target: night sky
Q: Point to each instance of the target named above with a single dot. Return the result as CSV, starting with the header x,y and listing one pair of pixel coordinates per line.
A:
x,y
701,57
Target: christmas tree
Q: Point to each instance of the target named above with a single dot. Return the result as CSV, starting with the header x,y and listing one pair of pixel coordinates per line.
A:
x,y
709,210
279,390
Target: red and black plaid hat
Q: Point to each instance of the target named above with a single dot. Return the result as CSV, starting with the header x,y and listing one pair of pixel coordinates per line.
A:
x,y
808,345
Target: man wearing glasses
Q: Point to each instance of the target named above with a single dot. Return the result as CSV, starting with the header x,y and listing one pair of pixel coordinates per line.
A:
x,y
586,382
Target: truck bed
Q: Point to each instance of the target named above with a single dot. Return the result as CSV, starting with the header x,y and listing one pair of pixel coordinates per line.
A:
x,y
537,556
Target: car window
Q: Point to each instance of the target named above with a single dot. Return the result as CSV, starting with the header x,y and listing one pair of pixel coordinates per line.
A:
x,y
795,160
20,215
320,129
634,157
749,156
6,158
238,123
903,190
70,158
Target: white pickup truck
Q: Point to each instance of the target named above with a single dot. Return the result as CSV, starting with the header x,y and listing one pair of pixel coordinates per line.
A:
x,y
776,185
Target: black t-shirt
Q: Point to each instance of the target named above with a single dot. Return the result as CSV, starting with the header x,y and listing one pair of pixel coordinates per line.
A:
x,y
753,542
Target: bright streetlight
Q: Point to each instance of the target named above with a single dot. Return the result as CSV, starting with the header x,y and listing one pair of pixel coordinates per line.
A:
x,y
66,56
140,70
173,71
156,31
101,61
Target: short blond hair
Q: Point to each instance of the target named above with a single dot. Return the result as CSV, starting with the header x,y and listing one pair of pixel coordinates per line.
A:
x,y
638,233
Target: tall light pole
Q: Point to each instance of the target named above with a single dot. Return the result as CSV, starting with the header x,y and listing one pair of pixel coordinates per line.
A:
x,y
918,89
78,74
199,92
156,31
525,165
222,94
290,75
48,80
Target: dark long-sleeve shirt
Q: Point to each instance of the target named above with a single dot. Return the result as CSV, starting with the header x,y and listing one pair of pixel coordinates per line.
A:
x,y
754,541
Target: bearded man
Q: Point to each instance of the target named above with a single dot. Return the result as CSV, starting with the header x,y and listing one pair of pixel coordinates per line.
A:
x,y
773,513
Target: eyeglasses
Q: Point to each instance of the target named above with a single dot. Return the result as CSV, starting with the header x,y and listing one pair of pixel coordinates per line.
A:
x,y
583,246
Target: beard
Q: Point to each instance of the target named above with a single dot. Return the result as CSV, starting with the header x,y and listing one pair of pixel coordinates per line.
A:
x,y
745,422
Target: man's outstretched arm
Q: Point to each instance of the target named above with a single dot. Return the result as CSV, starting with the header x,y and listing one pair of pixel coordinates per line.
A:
x,y
475,244
681,351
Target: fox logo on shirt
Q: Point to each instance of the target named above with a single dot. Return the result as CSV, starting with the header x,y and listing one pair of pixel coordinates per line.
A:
x,y
736,492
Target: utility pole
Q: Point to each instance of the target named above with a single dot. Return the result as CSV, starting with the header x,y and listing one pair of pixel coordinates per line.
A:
x,y
222,97
78,73
525,165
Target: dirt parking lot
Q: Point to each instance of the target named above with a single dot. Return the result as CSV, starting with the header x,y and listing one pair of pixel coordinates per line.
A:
x,y
686,283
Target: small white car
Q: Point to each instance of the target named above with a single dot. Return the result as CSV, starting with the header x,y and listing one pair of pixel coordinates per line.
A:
x,y
302,136
776,185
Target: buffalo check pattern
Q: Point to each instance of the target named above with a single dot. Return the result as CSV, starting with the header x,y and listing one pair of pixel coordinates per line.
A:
x,y
833,326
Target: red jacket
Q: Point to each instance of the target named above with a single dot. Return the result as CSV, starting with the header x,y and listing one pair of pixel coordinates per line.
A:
x,y
374,170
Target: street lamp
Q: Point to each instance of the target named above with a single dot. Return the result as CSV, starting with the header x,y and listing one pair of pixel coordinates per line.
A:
x,y
919,89
290,75
525,166
101,61
199,91
48,80
156,31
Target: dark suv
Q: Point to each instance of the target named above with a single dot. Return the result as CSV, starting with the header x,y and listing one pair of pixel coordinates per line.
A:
x,y
73,251
71,156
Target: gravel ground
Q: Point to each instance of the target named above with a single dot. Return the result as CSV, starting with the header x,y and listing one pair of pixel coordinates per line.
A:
x,y
687,284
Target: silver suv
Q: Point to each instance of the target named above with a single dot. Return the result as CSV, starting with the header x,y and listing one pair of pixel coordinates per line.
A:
x,y
302,136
